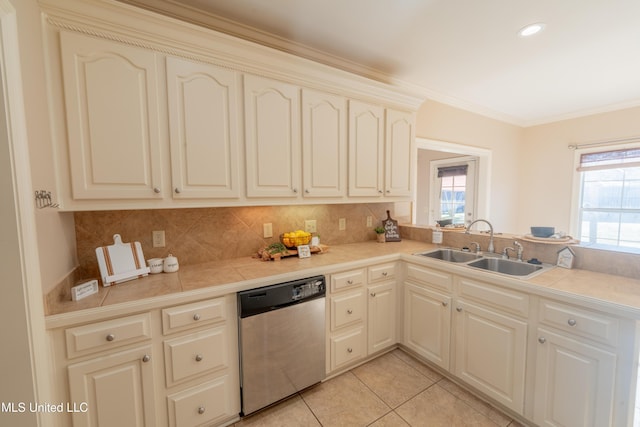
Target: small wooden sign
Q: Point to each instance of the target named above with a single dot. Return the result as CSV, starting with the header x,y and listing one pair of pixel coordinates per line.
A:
x,y
391,231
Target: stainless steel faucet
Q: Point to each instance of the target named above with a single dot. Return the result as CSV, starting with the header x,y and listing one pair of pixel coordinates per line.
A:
x,y
490,247
519,246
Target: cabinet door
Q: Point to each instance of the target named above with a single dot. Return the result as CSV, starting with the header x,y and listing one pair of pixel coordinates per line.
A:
x,y
490,353
381,327
427,323
203,128
574,383
112,119
366,149
118,389
324,144
399,153
272,132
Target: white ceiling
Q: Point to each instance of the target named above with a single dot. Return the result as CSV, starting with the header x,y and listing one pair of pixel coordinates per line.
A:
x,y
465,53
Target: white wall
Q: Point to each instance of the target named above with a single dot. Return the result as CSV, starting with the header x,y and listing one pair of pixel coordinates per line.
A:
x,y
55,230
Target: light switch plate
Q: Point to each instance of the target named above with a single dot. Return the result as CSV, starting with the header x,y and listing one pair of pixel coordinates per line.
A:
x,y
342,224
310,226
158,239
267,230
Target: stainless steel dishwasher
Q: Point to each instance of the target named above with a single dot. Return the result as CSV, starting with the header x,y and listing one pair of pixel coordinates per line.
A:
x,y
282,340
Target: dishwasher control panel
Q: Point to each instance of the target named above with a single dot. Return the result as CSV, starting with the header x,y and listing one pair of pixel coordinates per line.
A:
x,y
260,300
309,289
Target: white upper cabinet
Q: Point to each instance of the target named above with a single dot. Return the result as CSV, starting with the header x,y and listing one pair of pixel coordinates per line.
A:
x,y
399,153
272,133
110,93
154,113
203,124
324,144
366,149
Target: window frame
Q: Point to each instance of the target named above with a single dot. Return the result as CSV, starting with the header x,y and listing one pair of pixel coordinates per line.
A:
x,y
576,193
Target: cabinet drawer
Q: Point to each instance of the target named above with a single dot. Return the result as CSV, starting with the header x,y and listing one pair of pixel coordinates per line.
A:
x,y
504,299
191,315
348,279
347,348
435,278
202,404
195,354
382,272
108,334
578,321
347,309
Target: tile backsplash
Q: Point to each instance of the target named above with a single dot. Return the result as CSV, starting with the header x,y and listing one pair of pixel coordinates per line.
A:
x,y
212,234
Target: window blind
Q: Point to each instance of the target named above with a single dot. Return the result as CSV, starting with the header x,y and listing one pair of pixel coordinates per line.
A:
x,y
452,170
609,160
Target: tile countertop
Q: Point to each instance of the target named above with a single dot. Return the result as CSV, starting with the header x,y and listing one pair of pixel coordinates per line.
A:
x,y
619,294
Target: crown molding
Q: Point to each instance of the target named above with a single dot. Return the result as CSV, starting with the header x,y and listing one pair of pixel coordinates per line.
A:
x,y
145,28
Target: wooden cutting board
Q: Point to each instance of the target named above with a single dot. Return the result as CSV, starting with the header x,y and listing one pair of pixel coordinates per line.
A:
x,y
391,231
121,261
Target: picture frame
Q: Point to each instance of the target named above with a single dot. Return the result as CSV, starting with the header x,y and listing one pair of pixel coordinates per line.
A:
x,y
565,257
304,251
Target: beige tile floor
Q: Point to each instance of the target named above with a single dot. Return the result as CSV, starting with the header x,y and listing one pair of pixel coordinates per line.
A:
x,y
392,390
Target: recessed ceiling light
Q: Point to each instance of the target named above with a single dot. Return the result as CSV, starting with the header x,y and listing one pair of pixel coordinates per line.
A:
x,y
531,29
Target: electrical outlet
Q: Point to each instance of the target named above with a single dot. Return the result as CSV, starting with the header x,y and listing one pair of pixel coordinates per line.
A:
x,y
158,239
267,230
369,221
310,226
342,224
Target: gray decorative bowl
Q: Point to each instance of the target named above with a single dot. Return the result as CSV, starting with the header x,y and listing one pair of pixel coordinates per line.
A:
x,y
542,231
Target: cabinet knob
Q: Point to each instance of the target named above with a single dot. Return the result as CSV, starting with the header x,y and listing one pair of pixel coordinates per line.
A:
x,y
349,282
178,191
542,340
572,322
201,410
146,358
459,309
380,191
384,273
349,350
444,303
156,190
388,191
199,358
307,191
373,294
196,316
349,311
295,190
111,337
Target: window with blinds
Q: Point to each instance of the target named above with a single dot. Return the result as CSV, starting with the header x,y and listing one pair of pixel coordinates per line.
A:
x,y
610,198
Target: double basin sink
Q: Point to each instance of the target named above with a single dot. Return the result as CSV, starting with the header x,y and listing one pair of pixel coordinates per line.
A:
x,y
487,262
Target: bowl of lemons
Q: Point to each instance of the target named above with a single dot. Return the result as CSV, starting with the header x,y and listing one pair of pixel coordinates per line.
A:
x,y
296,238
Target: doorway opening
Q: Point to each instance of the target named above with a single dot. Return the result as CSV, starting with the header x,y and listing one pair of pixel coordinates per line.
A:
x,y
442,198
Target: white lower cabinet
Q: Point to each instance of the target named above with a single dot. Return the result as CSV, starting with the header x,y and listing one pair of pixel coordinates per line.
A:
x,y
175,366
491,352
575,382
361,319
201,362
580,369
480,344
381,311
116,389
427,323
427,313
